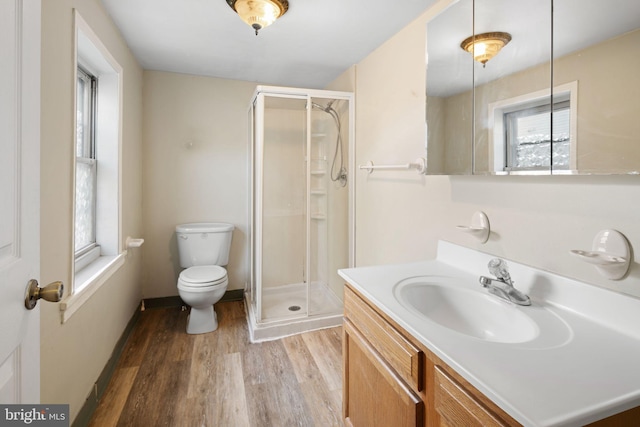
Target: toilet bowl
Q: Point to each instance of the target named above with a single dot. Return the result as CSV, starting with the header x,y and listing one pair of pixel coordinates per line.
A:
x,y
201,287
203,248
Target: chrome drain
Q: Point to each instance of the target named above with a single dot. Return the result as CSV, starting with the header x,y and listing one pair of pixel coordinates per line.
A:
x,y
294,308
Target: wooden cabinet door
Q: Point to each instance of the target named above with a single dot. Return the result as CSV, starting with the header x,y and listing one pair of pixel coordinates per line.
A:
x,y
373,393
457,407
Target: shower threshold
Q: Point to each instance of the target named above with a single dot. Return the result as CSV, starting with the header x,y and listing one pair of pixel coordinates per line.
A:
x,y
284,311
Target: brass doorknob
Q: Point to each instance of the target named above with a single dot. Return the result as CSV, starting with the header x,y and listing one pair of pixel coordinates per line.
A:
x,y
52,292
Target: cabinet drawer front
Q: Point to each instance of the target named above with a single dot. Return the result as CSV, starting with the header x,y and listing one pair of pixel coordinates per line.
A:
x,y
457,407
375,394
405,358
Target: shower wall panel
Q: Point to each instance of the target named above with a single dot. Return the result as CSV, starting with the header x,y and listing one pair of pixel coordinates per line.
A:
x,y
338,208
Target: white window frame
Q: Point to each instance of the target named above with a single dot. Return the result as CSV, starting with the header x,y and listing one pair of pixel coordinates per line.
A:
x,y
511,120
91,271
498,143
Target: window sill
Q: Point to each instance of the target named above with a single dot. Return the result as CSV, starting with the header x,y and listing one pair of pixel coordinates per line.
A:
x,y
87,258
88,280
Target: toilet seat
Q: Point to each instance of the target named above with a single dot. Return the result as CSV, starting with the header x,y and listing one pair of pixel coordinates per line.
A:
x,y
202,276
203,289
200,287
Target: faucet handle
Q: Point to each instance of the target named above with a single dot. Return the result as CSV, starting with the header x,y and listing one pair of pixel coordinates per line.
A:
x,y
498,267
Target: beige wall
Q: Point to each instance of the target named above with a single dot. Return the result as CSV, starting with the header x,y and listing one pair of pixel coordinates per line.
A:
x,y
390,111
195,149
196,168
608,102
534,220
74,353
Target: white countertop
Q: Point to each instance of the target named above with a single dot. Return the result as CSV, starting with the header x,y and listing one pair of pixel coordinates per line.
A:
x,y
584,366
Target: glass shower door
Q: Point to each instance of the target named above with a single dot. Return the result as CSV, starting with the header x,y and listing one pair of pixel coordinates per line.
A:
x,y
283,201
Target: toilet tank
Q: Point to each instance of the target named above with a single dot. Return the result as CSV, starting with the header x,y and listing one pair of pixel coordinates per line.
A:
x,y
204,243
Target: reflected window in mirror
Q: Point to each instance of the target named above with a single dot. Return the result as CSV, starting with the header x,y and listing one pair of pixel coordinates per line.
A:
x,y
519,131
527,137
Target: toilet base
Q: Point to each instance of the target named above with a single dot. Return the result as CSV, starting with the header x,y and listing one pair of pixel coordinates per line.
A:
x,y
202,320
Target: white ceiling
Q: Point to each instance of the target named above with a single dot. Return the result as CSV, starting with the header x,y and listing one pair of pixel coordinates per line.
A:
x,y
311,45
316,40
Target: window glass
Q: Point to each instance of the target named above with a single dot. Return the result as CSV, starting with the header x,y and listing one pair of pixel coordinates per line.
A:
x,y
85,191
530,143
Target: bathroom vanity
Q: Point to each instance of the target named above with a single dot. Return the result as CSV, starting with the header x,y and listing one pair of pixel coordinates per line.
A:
x,y
425,345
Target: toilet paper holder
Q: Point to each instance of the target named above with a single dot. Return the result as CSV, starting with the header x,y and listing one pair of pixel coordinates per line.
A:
x,y
133,243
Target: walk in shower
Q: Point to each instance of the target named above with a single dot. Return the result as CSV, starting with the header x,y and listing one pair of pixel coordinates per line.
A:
x,y
300,209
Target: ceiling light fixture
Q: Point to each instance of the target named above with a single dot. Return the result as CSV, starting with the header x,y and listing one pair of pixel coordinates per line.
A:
x,y
485,46
259,13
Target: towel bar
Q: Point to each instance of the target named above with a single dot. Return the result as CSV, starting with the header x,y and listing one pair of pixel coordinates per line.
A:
x,y
420,165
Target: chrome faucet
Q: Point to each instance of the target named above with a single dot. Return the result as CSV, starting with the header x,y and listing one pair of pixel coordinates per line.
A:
x,y
502,286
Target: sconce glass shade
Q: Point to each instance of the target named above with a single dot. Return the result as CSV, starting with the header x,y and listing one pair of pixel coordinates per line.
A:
x,y
485,46
259,13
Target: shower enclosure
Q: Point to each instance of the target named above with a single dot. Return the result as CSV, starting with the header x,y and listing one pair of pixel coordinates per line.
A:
x,y
301,143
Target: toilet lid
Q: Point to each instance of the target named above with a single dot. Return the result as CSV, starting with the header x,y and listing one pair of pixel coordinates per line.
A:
x,y
203,274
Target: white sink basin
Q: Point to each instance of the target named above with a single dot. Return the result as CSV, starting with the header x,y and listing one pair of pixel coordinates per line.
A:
x,y
467,311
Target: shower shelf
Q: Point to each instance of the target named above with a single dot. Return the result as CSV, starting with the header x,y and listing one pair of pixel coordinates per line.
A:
x,y
318,172
319,216
318,135
319,192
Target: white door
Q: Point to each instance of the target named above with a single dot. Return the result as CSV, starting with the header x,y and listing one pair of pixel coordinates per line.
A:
x,y
19,198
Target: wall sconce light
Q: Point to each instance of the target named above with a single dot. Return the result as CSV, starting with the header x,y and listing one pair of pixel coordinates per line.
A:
x,y
259,13
485,46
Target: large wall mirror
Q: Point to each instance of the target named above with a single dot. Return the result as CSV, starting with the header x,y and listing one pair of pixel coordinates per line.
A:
x,y
561,97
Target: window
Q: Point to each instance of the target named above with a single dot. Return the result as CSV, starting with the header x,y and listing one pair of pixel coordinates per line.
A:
x,y
86,165
522,141
527,136
98,251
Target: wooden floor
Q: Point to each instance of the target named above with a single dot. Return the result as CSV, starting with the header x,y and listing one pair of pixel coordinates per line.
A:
x,y
168,378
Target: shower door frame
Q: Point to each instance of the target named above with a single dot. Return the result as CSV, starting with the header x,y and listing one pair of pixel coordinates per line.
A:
x,y
257,197
256,154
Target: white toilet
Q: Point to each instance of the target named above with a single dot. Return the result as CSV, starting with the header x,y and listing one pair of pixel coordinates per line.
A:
x,y
204,251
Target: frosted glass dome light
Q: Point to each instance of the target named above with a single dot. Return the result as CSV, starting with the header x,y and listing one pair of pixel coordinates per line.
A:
x,y
485,46
259,13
